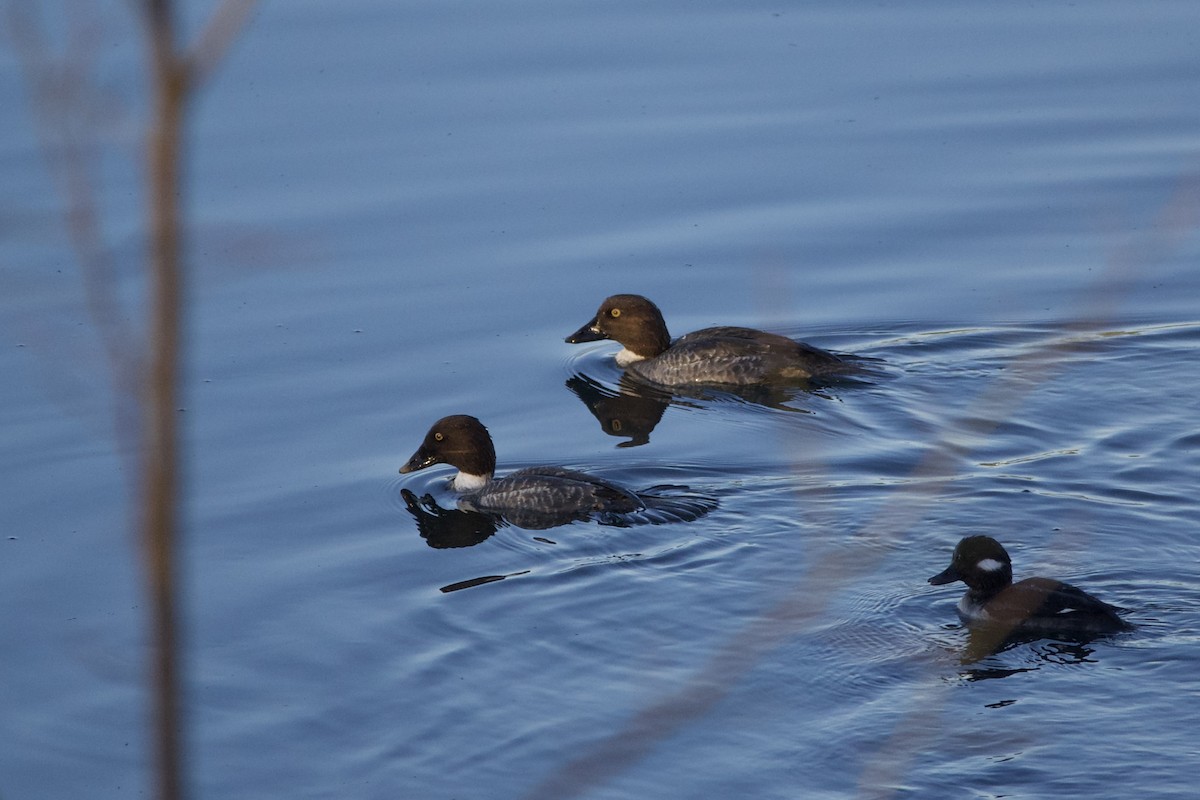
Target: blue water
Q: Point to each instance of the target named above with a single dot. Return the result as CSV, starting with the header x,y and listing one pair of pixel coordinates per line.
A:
x,y
398,211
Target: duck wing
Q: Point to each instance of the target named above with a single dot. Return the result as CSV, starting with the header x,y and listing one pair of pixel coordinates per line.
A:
x,y
1060,597
734,355
1050,601
543,497
556,490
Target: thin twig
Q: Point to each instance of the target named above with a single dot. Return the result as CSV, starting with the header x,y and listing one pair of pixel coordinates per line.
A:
x,y
63,98
63,112
214,41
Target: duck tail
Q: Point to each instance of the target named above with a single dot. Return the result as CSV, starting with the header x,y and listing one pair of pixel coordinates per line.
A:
x,y
667,503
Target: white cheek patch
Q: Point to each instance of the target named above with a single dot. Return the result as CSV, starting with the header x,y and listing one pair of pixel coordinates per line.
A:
x,y
466,482
990,565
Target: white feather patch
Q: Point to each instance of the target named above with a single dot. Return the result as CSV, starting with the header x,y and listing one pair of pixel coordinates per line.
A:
x,y
625,357
466,482
970,611
990,565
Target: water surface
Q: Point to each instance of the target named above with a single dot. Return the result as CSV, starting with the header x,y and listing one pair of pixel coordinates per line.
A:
x,y
400,210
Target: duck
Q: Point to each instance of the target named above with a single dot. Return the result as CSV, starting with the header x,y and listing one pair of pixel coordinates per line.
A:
x,y
1038,606
543,496
723,355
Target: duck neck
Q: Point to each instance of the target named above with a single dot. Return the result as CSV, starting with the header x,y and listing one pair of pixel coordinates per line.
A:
x,y
650,342
470,482
986,585
625,357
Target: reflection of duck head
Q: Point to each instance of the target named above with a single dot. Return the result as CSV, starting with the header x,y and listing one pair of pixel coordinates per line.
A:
x,y
633,414
443,528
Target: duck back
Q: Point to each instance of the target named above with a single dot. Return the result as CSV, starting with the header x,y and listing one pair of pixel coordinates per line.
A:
x,y
737,356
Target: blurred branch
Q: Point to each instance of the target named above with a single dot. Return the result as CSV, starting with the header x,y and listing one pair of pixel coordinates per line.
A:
x,y
160,441
174,81
64,100
220,32
66,111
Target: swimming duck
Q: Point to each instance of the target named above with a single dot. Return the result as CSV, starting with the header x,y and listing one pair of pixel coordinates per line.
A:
x,y
720,355
540,497
1033,605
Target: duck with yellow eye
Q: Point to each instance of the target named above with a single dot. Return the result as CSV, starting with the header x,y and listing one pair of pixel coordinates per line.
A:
x,y
542,497
723,355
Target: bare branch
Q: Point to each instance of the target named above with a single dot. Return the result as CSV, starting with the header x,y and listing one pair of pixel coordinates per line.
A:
x,y
65,111
223,27
65,101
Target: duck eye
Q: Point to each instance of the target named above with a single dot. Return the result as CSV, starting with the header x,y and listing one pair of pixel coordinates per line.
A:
x,y
438,436
616,312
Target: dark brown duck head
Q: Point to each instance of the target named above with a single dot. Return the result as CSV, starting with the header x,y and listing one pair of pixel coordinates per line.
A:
x,y
460,441
630,319
980,562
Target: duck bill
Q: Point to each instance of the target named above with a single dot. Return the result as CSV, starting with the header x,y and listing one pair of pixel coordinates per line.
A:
x,y
590,332
419,460
948,575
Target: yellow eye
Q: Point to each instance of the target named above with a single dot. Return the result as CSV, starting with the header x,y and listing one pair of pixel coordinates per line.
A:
x,y
616,312
616,426
438,436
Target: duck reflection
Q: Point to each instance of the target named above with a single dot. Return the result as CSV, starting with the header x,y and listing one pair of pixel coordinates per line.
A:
x,y
633,409
779,396
987,641
446,528
631,412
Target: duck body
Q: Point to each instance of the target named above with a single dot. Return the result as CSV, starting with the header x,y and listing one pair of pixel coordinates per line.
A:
x,y
545,496
1038,606
736,356
554,490
723,355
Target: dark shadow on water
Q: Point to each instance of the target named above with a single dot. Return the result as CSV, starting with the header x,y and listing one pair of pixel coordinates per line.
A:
x,y
480,581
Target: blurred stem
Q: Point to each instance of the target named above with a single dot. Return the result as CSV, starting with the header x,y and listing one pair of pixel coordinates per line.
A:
x,y
175,77
161,439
